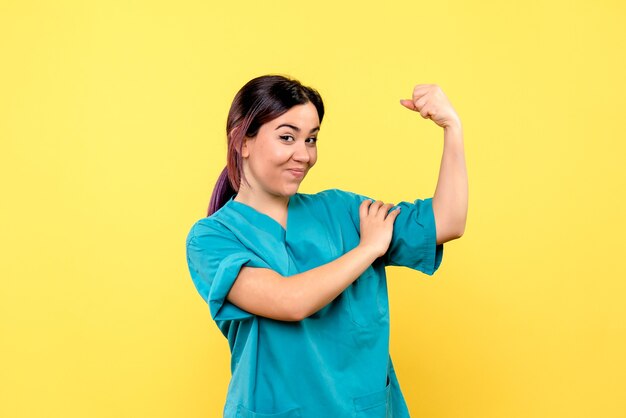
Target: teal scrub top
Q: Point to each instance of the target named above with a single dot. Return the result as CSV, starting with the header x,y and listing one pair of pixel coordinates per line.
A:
x,y
336,362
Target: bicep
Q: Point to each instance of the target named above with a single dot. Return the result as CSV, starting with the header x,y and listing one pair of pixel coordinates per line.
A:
x,y
261,291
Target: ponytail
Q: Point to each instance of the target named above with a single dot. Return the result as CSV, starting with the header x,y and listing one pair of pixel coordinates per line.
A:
x,y
222,192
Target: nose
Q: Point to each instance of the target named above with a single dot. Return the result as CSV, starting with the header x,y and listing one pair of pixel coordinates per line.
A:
x,y
301,152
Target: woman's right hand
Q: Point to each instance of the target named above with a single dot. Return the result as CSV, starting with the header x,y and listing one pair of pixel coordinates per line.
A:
x,y
376,225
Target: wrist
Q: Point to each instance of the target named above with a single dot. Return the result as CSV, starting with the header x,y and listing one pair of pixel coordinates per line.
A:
x,y
453,134
453,125
370,252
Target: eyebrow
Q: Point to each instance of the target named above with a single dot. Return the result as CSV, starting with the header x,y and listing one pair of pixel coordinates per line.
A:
x,y
295,128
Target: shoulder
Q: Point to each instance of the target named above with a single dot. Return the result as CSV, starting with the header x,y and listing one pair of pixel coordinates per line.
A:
x,y
333,196
336,203
208,229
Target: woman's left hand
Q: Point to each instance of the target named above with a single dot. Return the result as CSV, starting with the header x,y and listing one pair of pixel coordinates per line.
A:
x,y
431,103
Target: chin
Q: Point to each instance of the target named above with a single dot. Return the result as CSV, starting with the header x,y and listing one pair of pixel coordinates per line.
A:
x,y
291,190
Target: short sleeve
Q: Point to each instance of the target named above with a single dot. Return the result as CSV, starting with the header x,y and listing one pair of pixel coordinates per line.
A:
x,y
414,240
214,258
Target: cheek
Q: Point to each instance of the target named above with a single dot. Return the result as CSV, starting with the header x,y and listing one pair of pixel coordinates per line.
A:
x,y
262,155
276,153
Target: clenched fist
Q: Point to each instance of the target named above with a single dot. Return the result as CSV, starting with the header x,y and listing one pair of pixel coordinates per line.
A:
x,y
431,103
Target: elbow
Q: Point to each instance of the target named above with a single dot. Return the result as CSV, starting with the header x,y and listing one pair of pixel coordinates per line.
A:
x,y
456,234
298,311
450,226
294,314
449,234
294,308
459,228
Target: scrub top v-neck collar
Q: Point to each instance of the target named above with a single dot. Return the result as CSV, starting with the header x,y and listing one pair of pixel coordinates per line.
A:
x,y
265,221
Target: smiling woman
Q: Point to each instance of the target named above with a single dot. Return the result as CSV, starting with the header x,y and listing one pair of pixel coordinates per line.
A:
x,y
262,100
278,158
296,282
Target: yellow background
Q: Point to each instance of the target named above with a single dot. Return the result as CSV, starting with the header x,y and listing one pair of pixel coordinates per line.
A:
x,y
112,119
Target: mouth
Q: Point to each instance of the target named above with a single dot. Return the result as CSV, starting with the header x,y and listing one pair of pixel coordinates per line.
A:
x,y
296,172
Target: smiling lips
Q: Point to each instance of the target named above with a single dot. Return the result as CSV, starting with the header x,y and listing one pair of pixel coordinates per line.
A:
x,y
296,172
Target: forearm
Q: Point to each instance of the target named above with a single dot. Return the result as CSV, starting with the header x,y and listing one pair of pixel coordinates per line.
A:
x,y
450,201
311,290
266,293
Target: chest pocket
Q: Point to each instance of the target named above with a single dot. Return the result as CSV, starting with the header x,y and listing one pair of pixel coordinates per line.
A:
x,y
367,297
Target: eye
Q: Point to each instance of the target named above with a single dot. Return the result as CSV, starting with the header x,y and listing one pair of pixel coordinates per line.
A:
x,y
286,137
313,139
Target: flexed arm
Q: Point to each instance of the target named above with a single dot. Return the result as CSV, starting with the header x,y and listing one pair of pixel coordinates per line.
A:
x,y
450,201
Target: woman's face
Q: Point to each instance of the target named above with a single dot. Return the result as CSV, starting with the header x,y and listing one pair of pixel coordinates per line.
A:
x,y
278,158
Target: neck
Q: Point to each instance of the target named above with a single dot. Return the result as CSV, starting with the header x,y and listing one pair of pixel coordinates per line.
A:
x,y
272,205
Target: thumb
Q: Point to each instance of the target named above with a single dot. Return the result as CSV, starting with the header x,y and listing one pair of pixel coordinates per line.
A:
x,y
408,104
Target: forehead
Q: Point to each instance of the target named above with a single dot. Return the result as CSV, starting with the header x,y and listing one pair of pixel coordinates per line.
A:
x,y
300,115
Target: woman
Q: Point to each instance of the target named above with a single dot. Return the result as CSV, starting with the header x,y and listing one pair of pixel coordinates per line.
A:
x,y
296,282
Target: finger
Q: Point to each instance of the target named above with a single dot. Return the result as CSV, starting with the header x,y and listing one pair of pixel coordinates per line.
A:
x,y
408,104
384,210
375,207
393,215
391,209
363,208
421,102
420,90
425,112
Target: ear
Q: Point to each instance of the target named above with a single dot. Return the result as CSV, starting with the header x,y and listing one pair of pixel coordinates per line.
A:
x,y
245,147
245,151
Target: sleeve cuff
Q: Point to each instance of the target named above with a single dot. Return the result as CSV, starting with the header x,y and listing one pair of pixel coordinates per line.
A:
x,y
225,277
